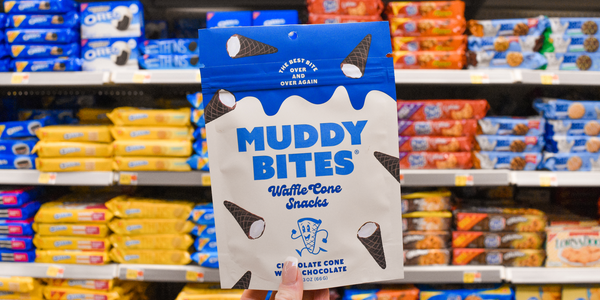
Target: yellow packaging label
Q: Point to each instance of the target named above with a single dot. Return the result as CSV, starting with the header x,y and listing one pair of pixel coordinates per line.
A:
x,y
150,226
130,116
71,243
16,50
152,148
72,149
152,241
160,257
569,249
73,212
151,133
72,257
134,163
18,284
145,208
69,293
422,214
584,292
73,164
72,133
419,195
538,292
36,294
93,116
8,5
47,229
12,35
99,285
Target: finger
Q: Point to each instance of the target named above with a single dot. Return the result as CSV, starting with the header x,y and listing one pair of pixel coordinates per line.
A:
x,y
291,281
254,295
321,294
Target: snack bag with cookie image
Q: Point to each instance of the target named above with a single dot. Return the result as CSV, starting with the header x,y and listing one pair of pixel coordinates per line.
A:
x,y
110,54
528,43
469,292
559,109
71,243
428,257
42,36
40,6
509,143
72,257
273,147
345,7
573,144
563,43
59,64
445,128
539,292
436,9
152,148
517,161
426,240
573,248
130,116
146,208
505,60
169,46
17,161
150,163
435,160
573,61
574,26
24,129
207,259
150,226
499,219
533,126
501,257
417,110
339,19
435,144
496,240
426,27
426,201
72,149
34,51
151,133
155,257
16,197
152,241
571,162
112,20
433,43
68,20
573,127
427,221
429,60
508,27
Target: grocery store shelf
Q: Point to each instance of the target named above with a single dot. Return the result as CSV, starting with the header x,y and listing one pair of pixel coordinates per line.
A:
x,y
38,270
193,178
33,177
452,274
54,78
552,275
560,77
183,76
549,179
454,177
457,76
167,273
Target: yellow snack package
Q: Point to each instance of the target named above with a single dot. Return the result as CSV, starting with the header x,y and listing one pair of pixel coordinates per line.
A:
x,y
581,292
18,284
74,133
125,163
69,293
210,291
152,148
71,243
150,226
88,115
538,292
73,212
73,164
98,284
72,149
159,257
193,287
130,116
144,208
72,257
152,241
79,229
35,294
152,133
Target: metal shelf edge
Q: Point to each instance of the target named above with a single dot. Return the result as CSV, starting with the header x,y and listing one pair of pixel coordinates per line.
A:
x,y
39,270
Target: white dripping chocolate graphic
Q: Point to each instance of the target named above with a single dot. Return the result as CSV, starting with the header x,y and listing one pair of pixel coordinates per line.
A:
x,y
221,103
369,235
390,163
354,64
239,46
244,282
253,225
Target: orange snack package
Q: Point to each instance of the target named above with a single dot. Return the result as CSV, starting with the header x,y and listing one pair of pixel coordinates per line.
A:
x,y
417,110
435,160
432,43
435,144
332,19
454,60
345,7
437,128
433,9
427,27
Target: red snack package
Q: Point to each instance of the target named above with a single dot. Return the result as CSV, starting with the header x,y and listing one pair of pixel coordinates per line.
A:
x,y
441,109
331,19
435,144
437,128
433,43
437,9
455,60
345,7
435,160
427,27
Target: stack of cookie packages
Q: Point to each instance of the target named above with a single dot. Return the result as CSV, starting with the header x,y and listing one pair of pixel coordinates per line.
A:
x,y
343,11
43,36
572,44
17,141
199,160
17,209
428,35
205,244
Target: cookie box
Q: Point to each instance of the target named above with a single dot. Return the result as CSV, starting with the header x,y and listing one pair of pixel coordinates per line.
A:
x,y
112,19
502,257
345,7
574,26
500,219
39,6
16,197
570,162
429,257
59,64
17,255
561,43
206,259
418,110
426,201
538,292
68,20
17,162
512,126
17,146
508,27
568,144
509,143
505,60
437,9
567,109
454,60
572,127
426,240
20,129
528,43
469,292
205,245
435,160
16,242
427,221
26,211
437,128
435,144
404,292
335,19
203,214
573,248
16,227
42,36
431,43
488,160
573,61
427,26
169,46
495,240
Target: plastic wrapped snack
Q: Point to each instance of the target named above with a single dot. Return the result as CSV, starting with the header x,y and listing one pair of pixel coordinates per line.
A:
x,y
573,61
429,60
528,43
418,110
17,147
16,227
15,243
539,292
158,257
130,116
435,144
560,43
495,240
573,127
72,149
435,160
509,27
414,240
24,129
71,243
426,201
17,256
96,134
427,27
62,116
69,293
485,292
206,259
198,162
16,197
72,257
146,208
205,245
198,117
73,164
564,253
152,241
503,257
18,284
201,147
509,143
26,211
427,257
42,36
150,226
427,221
437,128
560,109
65,212
17,161
512,126
432,43
152,148
334,19
500,219
39,6
169,46
36,294
571,162
574,26
518,161
134,163
432,9
569,144
95,230
195,100
151,133
203,214
39,51
97,284
204,231
158,62
345,7
68,20
505,60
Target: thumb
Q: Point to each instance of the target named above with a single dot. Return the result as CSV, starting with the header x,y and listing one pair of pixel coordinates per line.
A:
x,y
291,281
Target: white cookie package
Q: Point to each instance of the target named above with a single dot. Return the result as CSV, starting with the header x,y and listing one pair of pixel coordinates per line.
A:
x,y
302,127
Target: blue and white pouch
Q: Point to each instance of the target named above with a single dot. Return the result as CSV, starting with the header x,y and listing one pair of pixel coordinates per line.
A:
x,y
18,243
559,109
571,162
37,51
21,129
205,245
524,161
68,20
572,144
563,43
110,54
510,143
528,43
160,62
169,46
42,36
199,162
39,6
203,214
58,64
573,127
206,259
508,27
112,19
204,231
17,147
511,126
506,60
13,197
21,162
574,26
573,61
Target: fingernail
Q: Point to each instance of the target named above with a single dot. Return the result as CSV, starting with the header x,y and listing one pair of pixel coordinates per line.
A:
x,y
290,271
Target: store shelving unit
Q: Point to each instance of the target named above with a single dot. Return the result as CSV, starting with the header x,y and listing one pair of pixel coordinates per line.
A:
x,y
33,177
552,275
194,178
39,270
454,177
167,273
54,79
156,77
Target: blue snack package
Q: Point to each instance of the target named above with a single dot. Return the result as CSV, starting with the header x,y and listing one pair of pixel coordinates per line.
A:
x,y
573,61
59,64
198,162
5,65
203,214
39,6
508,27
3,18
572,144
112,19
564,43
200,133
206,259
573,127
205,245
574,26
169,46
510,143
529,43
17,228
35,51
197,117
16,242
2,36
497,292
42,36
20,129
274,17
570,162
511,126
228,19
62,116
204,231
196,101
110,54
506,60
527,161
15,197
17,147
158,62
68,20
4,50
26,211
17,256
17,162
560,109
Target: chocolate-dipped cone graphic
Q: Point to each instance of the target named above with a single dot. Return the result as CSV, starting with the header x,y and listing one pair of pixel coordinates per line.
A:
x,y
390,163
370,236
253,225
240,46
221,103
354,64
244,282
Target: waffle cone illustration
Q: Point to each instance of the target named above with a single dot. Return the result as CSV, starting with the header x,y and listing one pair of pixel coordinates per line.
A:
x,y
221,103
354,64
244,282
253,225
390,163
239,46
369,235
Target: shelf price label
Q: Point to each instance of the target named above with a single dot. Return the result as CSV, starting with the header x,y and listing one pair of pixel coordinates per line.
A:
x,y
463,180
480,78
19,78
142,77
128,178
47,178
55,272
194,276
471,277
205,180
549,78
548,180
134,274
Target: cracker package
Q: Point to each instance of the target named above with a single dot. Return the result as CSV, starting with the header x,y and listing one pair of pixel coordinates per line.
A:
x,y
72,257
430,43
155,257
294,145
73,212
71,243
500,219
494,240
18,284
145,208
152,148
148,163
418,110
130,116
48,229
152,241
428,257
512,126
97,284
151,133
84,133
435,144
437,128
503,257
426,201
573,248
72,149
150,226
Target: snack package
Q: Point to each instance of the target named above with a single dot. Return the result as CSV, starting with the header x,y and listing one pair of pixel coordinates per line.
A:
x,y
201,148
42,36
574,26
89,115
585,292
17,161
504,257
506,60
18,284
39,6
418,110
110,54
97,284
437,9
429,60
509,27
559,43
200,133
17,196
485,292
73,212
21,129
126,163
151,133
337,19
96,134
150,226
203,214
228,19
573,61
512,126
495,240
68,20
16,227
195,100
79,229
35,51
435,144
206,259
559,109
573,248
204,231
426,240
145,208
5,64
526,161
570,144
73,164
205,245
500,219
509,143
112,19
169,46
538,292
427,26
435,160
15,243
571,162
59,64
129,116
429,257
572,127
26,211
152,148
437,128
71,243
173,61
17,146
36,294
17,256
432,43
72,257
426,201
427,221
152,241
345,7
275,17
404,292
198,116
528,43
62,116
72,149
67,293
156,257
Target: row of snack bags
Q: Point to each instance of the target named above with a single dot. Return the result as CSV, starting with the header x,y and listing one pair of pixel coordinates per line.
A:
x,y
199,161
18,206
343,11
